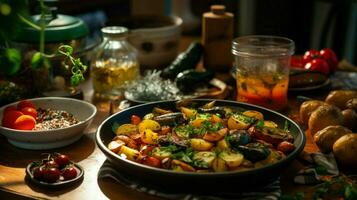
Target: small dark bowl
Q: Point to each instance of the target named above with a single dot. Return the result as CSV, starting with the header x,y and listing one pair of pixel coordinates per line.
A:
x,y
59,184
197,182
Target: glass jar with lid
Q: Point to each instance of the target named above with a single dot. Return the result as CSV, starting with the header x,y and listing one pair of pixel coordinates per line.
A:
x,y
115,63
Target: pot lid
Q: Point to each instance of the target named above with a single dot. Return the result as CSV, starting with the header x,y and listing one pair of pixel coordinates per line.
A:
x,y
59,28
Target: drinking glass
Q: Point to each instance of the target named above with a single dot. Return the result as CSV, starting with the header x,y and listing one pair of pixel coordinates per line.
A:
x,y
262,69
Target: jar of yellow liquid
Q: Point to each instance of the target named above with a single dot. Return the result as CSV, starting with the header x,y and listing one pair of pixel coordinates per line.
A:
x,y
115,63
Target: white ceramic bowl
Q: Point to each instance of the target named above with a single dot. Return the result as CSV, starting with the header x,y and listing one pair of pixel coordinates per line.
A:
x,y
155,37
49,139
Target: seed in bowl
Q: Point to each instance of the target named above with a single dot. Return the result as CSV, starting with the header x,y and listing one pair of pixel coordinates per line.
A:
x,y
48,119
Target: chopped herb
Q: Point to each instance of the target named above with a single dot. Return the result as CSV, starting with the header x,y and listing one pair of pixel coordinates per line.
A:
x,y
206,124
200,164
242,118
260,124
286,126
185,156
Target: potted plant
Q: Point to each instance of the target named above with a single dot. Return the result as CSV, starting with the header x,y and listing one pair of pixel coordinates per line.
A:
x,y
14,61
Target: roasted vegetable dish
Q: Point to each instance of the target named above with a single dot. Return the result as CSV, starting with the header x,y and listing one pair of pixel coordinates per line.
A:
x,y
205,138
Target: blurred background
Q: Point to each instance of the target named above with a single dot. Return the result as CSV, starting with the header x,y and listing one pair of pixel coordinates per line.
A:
x,y
310,23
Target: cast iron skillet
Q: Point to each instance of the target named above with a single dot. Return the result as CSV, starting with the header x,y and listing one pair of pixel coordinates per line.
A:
x,y
196,182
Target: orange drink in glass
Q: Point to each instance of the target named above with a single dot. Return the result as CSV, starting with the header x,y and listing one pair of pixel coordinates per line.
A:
x,y
262,70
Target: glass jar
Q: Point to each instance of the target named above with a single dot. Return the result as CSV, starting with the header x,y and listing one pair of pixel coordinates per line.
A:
x,y
262,66
115,63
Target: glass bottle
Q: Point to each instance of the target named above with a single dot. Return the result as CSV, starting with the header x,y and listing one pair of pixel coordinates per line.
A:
x,y
115,63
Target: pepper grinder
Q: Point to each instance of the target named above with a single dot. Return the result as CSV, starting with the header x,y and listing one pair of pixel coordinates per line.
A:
x,y
217,36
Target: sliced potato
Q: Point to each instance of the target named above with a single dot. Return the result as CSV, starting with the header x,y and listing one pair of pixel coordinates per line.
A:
x,y
205,158
216,136
200,144
148,124
126,129
115,145
197,122
270,124
240,121
161,111
252,113
160,153
209,105
216,119
129,153
232,159
149,116
149,137
223,145
129,142
178,165
188,112
219,165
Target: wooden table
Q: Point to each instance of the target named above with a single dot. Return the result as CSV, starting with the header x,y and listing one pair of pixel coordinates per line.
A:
x,y
14,160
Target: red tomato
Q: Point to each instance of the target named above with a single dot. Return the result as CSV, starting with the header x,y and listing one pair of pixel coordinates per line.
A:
x,y
135,119
331,58
297,61
62,160
7,109
151,161
25,103
51,175
10,117
24,122
69,173
310,55
38,173
318,65
51,164
29,111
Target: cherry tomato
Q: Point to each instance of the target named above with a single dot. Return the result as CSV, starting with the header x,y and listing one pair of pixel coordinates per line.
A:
x,y
318,65
331,58
69,173
24,122
297,61
135,119
151,161
38,173
51,175
310,55
62,160
51,164
25,103
8,108
29,111
10,117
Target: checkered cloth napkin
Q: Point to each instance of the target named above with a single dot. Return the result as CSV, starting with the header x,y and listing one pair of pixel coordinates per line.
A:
x,y
269,192
323,167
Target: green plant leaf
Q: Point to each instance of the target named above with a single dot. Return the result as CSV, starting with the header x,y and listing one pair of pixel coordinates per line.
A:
x,y
350,192
39,61
10,61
